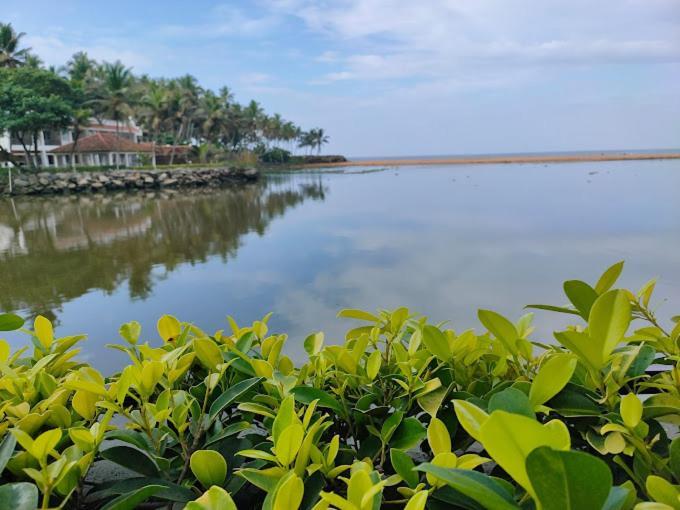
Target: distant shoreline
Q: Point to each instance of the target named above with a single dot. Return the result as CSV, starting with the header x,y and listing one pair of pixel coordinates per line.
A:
x,y
479,160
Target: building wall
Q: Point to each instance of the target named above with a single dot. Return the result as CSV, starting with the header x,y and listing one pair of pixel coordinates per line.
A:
x,y
52,140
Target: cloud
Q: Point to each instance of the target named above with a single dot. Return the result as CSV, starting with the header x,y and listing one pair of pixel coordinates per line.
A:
x,y
225,21
55,50
444,37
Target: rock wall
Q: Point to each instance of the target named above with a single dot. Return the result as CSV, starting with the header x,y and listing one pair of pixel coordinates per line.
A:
x,y
45,183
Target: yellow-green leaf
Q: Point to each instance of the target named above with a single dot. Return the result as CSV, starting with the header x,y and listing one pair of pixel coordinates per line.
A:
x,y
609,320
510,438
209,467
43,330
351,313
608,278
417,501
215,498
169,328
551,378
208,353
289,443
438,437
289,494
373,364
470,417
631,410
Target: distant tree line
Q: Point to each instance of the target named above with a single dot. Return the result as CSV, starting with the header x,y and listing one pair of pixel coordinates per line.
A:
x,y
172,111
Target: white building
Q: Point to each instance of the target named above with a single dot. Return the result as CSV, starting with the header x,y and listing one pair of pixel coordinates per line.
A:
x,y
55,147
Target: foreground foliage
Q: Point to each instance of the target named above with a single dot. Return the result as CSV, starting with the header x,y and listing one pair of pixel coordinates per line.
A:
x,y
403,413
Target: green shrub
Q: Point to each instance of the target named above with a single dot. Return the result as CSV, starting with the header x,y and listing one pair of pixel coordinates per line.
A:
x,y
275,155
402,414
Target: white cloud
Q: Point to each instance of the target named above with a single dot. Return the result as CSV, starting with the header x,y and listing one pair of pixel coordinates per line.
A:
x,y
56,51
447,37
225,21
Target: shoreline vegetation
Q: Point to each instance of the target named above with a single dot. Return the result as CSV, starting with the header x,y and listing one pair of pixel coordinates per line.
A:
x,y
403,413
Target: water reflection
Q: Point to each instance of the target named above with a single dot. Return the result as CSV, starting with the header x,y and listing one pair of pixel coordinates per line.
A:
x,y
53,250
444,241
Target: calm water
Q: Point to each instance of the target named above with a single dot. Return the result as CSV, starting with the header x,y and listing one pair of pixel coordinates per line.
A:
x,y
441,240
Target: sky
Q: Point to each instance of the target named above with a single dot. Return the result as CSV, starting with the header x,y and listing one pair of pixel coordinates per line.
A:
x,y
403,77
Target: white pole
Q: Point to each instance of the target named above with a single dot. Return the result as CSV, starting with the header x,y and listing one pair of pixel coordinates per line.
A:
x,y
10,180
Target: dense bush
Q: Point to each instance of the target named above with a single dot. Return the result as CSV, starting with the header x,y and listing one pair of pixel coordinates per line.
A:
x,y
275,155
403,414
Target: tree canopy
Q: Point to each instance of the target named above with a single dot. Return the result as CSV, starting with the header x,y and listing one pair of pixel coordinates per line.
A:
x,y
170,110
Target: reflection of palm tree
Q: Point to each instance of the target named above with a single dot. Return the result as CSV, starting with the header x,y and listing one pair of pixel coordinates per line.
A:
x,y
10,54
114,97
109,241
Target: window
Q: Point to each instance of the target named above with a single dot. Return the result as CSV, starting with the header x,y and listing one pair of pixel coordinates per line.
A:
x,y
52,137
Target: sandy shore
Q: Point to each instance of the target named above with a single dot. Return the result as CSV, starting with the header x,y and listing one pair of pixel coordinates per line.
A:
x,y
571,158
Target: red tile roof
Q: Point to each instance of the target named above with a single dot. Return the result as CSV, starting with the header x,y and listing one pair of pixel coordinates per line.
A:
x,y
104,142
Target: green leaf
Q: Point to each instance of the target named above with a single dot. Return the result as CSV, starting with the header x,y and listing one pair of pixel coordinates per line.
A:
x,y
129,436
230,395
313,343
568,480
501,328
10,322
228,431
608,278
510,438
19,496
618,499
674,457
351,313
551,378
609,320
477,486
209,467
552,308
403,465
306,395
6,450
131,458
131,500
409,434
436,342
215,498
581,295
511,400
390,425
130,332
170,491
662,491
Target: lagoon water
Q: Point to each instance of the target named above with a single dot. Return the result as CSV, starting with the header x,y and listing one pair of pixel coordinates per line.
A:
x,y
443,240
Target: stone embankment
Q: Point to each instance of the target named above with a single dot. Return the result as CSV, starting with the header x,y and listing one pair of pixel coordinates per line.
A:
x,y
46,183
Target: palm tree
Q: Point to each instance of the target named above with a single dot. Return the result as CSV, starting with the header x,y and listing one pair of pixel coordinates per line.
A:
x,y
79,120
79,69
320,138
114,97
10,54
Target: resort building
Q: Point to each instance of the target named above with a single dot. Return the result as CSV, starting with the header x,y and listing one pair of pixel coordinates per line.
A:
x,y
97,145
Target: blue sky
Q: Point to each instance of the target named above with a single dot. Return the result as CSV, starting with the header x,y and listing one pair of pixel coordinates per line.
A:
x,y
404,77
